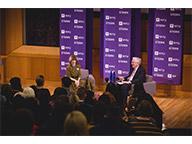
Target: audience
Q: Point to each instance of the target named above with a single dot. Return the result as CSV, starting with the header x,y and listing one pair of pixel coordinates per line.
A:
x,y
33,111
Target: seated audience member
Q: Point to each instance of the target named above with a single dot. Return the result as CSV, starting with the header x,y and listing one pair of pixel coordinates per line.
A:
x,y
82,93
59,91
113,89
107,98
6,91
108,122
83,106
28,93
143,123
90,99
53,126
16,86
43,96
66,84
21,123
74,98
76,124
40,81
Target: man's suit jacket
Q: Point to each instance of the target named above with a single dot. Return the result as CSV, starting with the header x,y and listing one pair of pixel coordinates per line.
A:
x,y
139,77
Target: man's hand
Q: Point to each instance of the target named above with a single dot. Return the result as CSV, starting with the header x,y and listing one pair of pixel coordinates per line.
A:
x,y
121,78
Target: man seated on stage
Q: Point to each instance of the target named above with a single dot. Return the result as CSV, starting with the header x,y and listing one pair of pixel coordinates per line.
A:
x,y
136,76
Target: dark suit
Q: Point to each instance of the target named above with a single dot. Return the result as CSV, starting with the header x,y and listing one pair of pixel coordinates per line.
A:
x,y
138,78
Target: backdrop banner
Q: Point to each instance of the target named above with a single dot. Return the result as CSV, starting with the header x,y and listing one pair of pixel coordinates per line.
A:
x,y
166,45
115,46
73,37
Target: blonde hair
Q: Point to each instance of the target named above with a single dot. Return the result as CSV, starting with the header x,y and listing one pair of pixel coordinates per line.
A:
x,y
76,124
28,92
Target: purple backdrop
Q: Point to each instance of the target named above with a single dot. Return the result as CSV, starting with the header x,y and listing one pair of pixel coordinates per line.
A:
x,y
166,45
73,37
115,41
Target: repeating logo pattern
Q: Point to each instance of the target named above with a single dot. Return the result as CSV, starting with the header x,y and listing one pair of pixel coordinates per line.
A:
x,y
167,45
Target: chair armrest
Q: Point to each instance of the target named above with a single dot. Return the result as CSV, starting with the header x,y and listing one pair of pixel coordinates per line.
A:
x,y
150,87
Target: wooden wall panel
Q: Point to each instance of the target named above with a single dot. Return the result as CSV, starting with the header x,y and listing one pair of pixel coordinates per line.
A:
x,y
27,62
2,31
18,66
52,67
1,74
37,66
13,29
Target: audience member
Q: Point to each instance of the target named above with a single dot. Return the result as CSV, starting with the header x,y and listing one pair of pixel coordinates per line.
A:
x,y
21,123
143,123
28,92
76,124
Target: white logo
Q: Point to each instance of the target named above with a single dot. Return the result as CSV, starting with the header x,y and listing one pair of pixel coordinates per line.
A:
x,y
169,75
62,31
120,55
157,19
62,15
119,71
107,33
106,49
107,17
75,37
120,39
156,69
171,25
62,63
170,59
75,53
157,36
170,42
106,66
75,21
156,53
120,23
63,47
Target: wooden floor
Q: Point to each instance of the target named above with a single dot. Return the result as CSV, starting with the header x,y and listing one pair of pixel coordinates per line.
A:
x,y
177,106
177,109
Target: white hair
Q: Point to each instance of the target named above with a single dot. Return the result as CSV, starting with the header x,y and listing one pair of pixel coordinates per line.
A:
x,y
137,59
28,92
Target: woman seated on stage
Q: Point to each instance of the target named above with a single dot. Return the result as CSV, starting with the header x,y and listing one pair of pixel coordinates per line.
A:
x,y
74,71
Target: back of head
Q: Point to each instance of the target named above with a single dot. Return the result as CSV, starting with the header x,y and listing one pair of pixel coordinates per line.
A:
x,y
40,80
28,92
82,93
66,82
59,91
6,91
76,124
107,98
16,83
144,108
